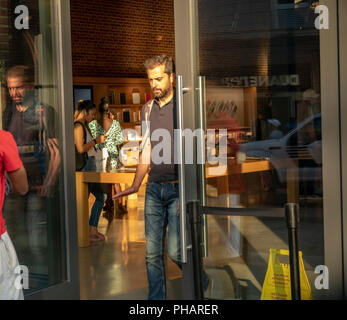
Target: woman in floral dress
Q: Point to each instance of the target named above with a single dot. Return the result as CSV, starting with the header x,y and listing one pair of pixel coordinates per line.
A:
x,y
112,129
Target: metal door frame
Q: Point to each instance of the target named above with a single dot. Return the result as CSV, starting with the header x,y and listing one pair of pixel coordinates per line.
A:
x,y
186,39
331,152
342,17
185,28
68,290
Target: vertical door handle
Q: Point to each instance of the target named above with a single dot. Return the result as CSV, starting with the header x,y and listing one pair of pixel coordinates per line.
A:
x,y
181,173
202,127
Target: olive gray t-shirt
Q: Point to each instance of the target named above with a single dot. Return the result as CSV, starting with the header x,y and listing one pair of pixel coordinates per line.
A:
x,y
162,124
32,128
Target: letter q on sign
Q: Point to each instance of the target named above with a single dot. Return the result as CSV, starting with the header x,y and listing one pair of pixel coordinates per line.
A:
x,y
22,21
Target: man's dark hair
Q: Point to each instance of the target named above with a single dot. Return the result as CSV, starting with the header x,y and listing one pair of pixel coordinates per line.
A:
x,y
27,73
163,59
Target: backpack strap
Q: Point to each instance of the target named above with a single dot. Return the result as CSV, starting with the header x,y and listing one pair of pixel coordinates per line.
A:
x,y
146,139
84,131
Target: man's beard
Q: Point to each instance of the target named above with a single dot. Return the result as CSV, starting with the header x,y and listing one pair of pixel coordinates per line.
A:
x,y
17,100
25,100
162,94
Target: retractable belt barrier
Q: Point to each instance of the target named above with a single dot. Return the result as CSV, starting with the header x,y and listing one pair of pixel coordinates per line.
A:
x,y
290,212
292,217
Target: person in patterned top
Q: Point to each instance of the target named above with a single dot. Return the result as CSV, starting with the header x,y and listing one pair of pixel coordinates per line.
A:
x,y
112,129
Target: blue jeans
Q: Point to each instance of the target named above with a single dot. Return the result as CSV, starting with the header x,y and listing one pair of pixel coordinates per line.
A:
x,y
26,219
99,194
161,211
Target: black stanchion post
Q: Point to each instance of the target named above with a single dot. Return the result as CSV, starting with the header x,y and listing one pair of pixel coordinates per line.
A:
x,y
193,210
292,216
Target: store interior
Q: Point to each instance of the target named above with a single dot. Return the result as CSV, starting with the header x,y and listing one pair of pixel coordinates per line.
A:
x,y
108,62
262,87
239,246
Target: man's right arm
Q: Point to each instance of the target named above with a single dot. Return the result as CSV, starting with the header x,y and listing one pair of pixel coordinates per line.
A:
x,y
140,174
143,164
19,181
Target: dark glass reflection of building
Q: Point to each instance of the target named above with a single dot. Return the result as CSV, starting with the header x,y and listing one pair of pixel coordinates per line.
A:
x,y
34,222
270,45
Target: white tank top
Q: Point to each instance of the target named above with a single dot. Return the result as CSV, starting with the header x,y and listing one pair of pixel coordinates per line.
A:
x,y
92,152
100,155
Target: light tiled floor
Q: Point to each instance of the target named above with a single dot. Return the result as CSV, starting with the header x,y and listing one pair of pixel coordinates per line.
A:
x,y
238,253
241,276
116,269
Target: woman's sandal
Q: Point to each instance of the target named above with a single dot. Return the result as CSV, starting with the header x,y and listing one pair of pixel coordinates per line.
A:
x,y
101,237
94,238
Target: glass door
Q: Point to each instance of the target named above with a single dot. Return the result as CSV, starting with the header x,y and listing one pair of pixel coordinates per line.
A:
x,y
36,107
261,82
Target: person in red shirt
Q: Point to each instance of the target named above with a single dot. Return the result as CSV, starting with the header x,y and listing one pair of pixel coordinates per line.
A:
x,y
11,164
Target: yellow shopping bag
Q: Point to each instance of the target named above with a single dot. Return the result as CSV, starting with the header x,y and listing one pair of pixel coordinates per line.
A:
x,y
277,284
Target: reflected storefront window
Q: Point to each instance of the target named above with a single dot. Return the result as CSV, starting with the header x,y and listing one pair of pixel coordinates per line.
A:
x,y
30,111
261,62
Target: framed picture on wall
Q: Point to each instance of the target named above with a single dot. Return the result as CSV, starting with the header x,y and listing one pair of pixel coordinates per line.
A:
x,y
82,93
136,98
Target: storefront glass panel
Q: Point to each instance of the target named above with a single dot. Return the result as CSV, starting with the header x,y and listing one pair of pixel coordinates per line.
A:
x,y
31,112
260,62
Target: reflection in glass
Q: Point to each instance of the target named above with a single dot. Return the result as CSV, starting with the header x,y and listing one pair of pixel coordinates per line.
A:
x,y
31,113
262,68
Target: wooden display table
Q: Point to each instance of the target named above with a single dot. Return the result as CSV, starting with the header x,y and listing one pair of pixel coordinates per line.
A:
x,y
122,176
126,177
252,166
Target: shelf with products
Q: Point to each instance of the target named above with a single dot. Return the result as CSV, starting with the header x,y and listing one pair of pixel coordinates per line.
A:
x,y
126,96
128,116
113,106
